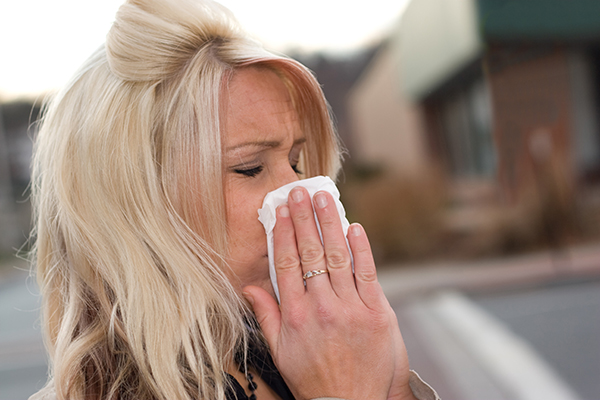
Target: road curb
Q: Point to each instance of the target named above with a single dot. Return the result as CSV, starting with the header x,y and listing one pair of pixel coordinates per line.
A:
x,y
401,281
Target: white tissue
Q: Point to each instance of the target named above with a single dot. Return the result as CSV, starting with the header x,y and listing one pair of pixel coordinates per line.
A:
x,y
267,214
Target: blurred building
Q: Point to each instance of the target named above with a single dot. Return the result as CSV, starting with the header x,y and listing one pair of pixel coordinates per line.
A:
x,y
337,74
16,133
501,95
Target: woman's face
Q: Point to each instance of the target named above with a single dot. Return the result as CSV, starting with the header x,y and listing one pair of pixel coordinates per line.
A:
x,y
262,141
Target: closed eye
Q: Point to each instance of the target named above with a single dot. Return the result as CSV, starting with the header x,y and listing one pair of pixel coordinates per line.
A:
x,y
251,172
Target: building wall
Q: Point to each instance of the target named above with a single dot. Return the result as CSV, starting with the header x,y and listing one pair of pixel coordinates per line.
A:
x,y
387,129
531,100
435,39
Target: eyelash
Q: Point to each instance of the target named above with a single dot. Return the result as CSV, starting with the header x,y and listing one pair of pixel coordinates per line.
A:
x,y
252,172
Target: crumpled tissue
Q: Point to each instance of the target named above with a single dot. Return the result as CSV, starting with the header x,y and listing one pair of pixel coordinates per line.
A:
x,y
267,214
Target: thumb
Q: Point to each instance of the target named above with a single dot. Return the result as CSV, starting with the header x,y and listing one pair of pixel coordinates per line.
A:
x,y
266,311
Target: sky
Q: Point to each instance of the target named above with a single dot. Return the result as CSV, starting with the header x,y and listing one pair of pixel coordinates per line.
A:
x,y
43,42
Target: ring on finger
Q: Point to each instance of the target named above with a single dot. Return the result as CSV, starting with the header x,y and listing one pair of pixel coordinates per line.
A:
x,y
314,272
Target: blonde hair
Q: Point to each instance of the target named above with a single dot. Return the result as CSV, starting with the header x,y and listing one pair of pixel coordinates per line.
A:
x,y
130,229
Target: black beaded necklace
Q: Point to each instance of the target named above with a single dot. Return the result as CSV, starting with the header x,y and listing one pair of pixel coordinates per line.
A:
x,y
251,386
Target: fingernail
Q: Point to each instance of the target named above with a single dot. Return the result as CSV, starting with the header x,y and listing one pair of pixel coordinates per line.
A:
x,y
297,195
284,211
356,229
248,297
321,200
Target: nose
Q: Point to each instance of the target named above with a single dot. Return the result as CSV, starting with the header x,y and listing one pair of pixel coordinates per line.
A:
x,y
285,174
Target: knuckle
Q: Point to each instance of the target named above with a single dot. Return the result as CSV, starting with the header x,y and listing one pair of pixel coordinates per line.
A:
x,y
373,320
325,314
304,216
361,320
287,262
369,275
379,325
337,259
296,318
326,220
380,319
312,254
362,250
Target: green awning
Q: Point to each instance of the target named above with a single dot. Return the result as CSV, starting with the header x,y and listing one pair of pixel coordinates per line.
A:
x,y
543,20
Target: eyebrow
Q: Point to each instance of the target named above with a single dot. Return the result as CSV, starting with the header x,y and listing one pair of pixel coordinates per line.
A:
x,y
263,144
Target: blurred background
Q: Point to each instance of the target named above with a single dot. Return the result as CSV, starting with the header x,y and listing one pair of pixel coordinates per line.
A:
x,y
472,130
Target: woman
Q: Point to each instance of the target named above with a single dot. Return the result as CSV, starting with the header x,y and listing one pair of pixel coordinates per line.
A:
x,y
149,169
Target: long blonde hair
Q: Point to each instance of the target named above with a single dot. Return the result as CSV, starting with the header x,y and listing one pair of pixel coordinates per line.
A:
x,y
130,232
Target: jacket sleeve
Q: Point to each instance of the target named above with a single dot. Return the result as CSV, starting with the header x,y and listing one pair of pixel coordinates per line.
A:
x,y
421,390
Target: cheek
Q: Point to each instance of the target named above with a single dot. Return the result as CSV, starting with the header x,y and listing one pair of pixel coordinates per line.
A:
x,y
245,230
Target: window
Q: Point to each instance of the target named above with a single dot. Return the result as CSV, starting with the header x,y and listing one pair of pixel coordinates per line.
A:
x,y
467,128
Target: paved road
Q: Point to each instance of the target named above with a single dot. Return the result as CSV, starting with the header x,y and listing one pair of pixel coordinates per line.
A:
x,y
504,329
528,343
562,323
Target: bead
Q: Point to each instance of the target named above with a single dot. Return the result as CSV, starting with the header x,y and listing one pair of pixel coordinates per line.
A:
x,y
251,385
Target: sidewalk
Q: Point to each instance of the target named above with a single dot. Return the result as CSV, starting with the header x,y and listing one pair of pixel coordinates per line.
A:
x,y
402,281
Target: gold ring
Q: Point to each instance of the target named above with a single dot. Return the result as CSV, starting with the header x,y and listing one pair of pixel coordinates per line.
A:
x,y
314,272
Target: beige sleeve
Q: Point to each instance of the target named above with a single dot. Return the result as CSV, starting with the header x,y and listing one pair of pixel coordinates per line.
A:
x,y
420,389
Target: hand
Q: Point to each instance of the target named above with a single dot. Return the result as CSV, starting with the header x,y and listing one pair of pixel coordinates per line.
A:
x,y
337,336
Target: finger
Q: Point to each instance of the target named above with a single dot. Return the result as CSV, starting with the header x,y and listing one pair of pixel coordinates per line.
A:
x,y
310,248
365,274
267,313
337,255
286,259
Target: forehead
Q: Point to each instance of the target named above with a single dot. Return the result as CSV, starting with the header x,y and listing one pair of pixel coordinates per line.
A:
x,y
257,106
